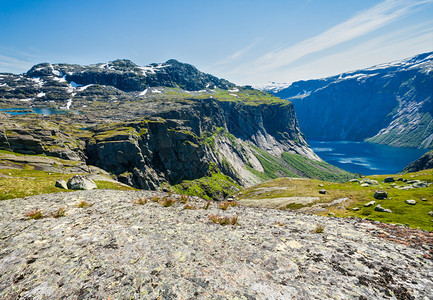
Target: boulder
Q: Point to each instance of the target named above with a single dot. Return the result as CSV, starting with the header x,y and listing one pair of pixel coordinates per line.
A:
x,y
355,208
371,203
60,183
353,180
365,185
430,213
421,184
410,202
423,199
380,195
322,191
389,179
381,209
79,182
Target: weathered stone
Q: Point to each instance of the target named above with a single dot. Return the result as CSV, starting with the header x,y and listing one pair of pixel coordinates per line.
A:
x,y
389,179
355,208
381,209
430,213
60,183
410,201
353,180
79,182
322,191
371,203
365,185
380,194
421,184
117,241
423,199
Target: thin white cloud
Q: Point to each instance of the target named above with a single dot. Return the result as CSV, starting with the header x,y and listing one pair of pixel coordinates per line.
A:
x,y
12,64
359,25
235,56
382,49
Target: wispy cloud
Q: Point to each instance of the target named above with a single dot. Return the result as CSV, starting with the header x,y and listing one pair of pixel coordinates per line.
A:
x,y
380,49
12,64
236,55
359,25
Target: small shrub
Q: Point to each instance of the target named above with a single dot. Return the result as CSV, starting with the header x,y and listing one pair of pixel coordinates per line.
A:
x,y
141,201
207,205
35,214
83,204
59,213
156,198
183,199
189,206
167,202
319,228
234,220
224,205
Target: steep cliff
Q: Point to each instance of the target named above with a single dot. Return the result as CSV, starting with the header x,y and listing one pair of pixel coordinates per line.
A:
x,y
387,104
423,163
161,126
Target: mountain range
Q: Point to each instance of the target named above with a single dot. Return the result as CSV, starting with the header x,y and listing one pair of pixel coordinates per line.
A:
x,y
387,104
160,126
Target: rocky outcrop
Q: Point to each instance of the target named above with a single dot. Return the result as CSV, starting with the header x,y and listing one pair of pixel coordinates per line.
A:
x,y
423,163
387,104
117,249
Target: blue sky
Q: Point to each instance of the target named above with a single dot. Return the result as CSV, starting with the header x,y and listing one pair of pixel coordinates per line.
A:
x,y
244,41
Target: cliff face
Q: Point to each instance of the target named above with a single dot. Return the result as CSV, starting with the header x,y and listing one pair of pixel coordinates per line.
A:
x,y
388,104
155,125
423,163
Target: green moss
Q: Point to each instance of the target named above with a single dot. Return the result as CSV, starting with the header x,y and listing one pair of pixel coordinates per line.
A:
x,y
416,216
211,187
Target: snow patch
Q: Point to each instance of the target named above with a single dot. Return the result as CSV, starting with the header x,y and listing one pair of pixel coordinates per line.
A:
x,y
233,95
84,87
41,94
143,93
156,91
69,103
235,90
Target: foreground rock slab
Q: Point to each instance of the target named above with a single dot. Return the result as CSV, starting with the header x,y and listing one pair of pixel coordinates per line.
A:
x,y
120,250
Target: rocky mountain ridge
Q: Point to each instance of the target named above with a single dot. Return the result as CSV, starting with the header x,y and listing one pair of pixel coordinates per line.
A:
x,y
387,104
164,123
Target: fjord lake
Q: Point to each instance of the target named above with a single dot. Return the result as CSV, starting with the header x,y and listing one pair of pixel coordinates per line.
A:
x,y
366,158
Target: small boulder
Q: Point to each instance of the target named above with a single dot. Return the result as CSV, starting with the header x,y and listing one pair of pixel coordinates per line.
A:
x,y
389,179
60,183
430,213
355,208
381,209
371,203
421,184
353,180
423,199
410,202
322,191
400,179
365,185
321,185
79,182
380,195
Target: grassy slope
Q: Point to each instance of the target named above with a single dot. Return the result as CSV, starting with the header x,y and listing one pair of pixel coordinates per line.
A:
x,y
415,216
16,183
295,165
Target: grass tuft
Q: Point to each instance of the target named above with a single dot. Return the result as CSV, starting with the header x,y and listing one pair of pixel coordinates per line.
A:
x,y
206,205
224,220
167,202
183,199
189,206
84,204
141,201
35,214
319,228
59,213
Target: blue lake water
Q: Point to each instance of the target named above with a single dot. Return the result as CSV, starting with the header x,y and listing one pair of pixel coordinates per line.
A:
x,y
41,111
366,158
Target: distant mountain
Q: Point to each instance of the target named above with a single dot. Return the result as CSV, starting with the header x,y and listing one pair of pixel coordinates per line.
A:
x,y
387,104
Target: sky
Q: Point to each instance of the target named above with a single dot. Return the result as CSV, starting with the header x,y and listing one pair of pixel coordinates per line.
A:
x,y
248,42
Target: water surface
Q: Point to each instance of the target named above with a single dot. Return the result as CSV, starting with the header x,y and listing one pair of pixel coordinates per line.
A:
x,y
366,158
41,111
